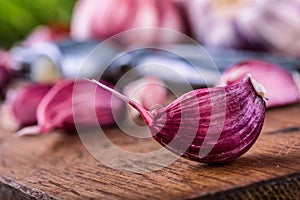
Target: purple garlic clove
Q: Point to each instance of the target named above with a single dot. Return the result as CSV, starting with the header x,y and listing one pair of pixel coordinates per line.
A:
x,y
21,105
81,99
281,87
222,122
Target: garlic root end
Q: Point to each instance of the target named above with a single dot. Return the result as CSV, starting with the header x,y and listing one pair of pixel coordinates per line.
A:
x,y
144,112
259,88
116,93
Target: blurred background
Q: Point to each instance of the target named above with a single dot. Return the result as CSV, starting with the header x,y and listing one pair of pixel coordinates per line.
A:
x,y
271,25
45,41
19,17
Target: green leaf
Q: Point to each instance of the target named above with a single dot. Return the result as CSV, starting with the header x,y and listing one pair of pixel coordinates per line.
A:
x,y
19,17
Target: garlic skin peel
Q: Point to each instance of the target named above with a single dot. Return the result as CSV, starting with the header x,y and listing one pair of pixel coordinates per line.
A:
x,y
192,115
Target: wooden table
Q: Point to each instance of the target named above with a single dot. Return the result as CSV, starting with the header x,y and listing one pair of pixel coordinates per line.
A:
x,y
57,166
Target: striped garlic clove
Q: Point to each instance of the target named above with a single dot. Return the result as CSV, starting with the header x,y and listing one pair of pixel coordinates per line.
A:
x,y
211,125
70,104
21,105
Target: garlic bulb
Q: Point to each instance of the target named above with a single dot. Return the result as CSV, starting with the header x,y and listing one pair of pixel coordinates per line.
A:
x,y
271,25
212,21
103,19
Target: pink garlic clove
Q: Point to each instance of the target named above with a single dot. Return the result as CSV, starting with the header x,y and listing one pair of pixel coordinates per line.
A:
x,y
81,99
148,91
21,105
279,83
220,124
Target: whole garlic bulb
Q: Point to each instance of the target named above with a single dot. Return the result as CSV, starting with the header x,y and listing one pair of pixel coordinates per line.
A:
x,y
271,25
212,21
103,19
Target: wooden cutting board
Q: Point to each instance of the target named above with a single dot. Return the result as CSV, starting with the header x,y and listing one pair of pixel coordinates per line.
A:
x,y
57,166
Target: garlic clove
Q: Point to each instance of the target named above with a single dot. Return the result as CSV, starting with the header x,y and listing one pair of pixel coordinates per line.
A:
x,y
21,105
148,91
280,84
69,103
196,117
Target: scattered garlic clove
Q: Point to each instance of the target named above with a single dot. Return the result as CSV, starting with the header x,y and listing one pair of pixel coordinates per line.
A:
x,y
148,91
279,83
220,124
21,105
68,99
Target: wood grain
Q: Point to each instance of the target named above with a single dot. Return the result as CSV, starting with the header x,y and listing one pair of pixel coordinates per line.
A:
x,y
57,166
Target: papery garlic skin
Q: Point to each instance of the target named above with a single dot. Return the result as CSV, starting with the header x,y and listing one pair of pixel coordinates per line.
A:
x,y
103,19
280,86
191,118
